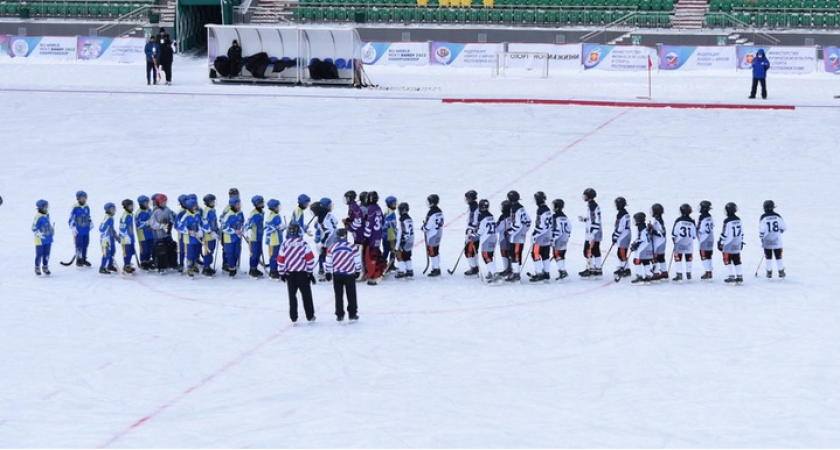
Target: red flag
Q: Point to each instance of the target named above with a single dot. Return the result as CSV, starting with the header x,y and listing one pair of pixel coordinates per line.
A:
x,y
650,63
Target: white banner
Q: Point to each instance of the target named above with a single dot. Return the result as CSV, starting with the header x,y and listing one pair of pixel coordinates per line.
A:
x,y
673,57
42,47
396,53
619,58
465,55
560,56
104,49
782,59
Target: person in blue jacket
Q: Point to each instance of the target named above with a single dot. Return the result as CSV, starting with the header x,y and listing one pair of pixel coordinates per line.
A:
x,y
127,235
152,54
254,231
44,231
232,229
80,225
107,235
760,66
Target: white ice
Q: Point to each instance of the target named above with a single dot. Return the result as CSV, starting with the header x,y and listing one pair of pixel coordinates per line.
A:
x,y
89,361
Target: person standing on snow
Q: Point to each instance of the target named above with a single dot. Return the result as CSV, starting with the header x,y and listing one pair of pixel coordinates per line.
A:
x,y
152,51
760,66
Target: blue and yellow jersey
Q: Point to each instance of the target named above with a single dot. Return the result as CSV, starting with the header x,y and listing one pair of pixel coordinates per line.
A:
x,y
209,223
178,218
143,219
127,229
42,225
391,223
189,222
297,216
80,218
256,225
233,222
273,229
106,229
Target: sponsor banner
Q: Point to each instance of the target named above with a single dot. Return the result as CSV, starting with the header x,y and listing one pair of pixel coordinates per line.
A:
x,y
4,45
465,55
560,56
617,57
396,53
42,47
673,57
831,58
121,50
782,59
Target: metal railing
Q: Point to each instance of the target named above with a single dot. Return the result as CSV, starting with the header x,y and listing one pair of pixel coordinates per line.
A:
x,y
769,39
133,16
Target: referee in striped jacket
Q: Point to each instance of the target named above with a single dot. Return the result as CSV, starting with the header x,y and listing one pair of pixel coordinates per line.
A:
x,y
295,262
343,265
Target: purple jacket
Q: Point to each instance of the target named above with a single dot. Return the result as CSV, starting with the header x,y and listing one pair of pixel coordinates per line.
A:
x,y
373,226
354,222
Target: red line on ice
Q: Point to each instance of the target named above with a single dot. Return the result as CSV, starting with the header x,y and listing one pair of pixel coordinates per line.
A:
x,y
531,101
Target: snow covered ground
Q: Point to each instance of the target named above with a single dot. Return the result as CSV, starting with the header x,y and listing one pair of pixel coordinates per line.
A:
x,y
89,361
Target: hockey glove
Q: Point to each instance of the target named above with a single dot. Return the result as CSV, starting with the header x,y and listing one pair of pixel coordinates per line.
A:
x,y
312,279
635,246
720,245
247,234
329,277
615,239
39,235
169,228
215,236
74,231
582,219
283,278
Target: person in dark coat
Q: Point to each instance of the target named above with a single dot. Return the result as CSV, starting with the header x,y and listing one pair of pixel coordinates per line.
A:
x,y
235,58
166,56
152,51
760,66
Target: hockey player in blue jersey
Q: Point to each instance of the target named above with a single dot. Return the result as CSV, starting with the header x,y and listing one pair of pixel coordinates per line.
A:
x,y
43,230
145,238
210,226
107,235
127,236
297,215
274,228
232,226
80,225
182,251
191,235
232,193
254,230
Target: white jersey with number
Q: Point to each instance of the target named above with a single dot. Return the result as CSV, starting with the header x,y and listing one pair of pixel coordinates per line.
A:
x,y
520,222
770,229
561,231
621,235
706,232
433,226
684,233
542,228
486,232
593,222
732,236
657,235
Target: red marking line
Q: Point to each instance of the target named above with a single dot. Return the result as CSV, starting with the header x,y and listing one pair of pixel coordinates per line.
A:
x,y
531,101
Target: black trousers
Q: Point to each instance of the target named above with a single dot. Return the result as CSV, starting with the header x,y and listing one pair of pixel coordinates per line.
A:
x,y
299,281
342,284
166,67
151,72
755,83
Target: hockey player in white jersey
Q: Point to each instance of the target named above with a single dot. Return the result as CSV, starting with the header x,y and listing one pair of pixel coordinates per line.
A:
x,y
730,243
433,232
405,243
517,234
770,230
706,238
487,237
658,235
643,247
683,234
470,236
502,226
621,237
560,232
541,238
594,235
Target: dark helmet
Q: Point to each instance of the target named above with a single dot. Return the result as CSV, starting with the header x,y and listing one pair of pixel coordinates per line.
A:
x,y
41,204
341,233
685,209
769,206
539,197
350,196
433,200
558,204
293,229
589,194
505,207
471,195
233,192
127,203
403,207
731,208
639,218
483,204
363,197
373,197
657,209
513,196
705,206
208,199
620,203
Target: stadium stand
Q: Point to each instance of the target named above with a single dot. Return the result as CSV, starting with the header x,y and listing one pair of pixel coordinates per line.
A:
x,y
82,9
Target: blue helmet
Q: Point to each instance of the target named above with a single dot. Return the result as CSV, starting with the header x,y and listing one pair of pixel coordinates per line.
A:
x,y
182,200
325,202
391,200
208,199
233,201
192,196
41,204
155,197
273,203
142,199
81,194
191,203
109,206
256,200
303,198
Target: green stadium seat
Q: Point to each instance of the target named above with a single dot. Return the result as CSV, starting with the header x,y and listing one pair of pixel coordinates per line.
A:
x,y
541,17
507,16
495,16
517,16
529,16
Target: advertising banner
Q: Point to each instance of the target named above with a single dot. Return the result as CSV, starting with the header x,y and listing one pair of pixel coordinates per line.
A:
x,y
560,56
396,53
831,58
782,59
618,58
105,49
465,55
673,57
4,45
42,47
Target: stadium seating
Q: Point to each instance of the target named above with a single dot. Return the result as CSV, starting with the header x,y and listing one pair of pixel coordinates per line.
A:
x,y
774,14
70,9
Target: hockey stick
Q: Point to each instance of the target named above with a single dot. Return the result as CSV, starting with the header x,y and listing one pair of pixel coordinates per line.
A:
x,y
456,262
759,265
618,277
65,264
671,262
427,257
530,252
604,261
